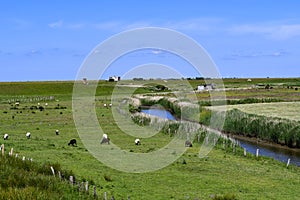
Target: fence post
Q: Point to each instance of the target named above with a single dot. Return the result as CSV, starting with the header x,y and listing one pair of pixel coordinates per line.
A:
x,y
234,147
2,149
87,186
17,155
59,175
71,180
257,152
245,152
23,158
95,192
53,172
105,196
288,163
11,151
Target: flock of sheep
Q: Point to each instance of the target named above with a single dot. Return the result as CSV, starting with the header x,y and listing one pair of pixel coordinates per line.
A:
x,y
28,134
105,138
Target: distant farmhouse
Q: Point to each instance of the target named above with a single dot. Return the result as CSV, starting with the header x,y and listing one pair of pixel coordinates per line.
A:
x,y
114,78
206,87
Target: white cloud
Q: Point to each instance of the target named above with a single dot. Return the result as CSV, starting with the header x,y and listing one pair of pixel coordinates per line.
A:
x,y
76,26
110,25
278,31
198,24
255,54
57,24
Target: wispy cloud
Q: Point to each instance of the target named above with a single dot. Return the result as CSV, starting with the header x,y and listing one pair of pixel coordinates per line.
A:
x,y
56,24
76,26
199,24
280,31
33,52
249,55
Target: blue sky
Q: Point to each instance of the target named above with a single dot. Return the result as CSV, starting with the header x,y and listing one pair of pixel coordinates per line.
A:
x,y
49,40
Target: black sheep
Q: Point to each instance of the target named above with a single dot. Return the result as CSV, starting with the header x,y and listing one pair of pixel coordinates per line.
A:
x,y
73,142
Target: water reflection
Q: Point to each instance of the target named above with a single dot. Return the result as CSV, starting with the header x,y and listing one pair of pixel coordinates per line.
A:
x,y
274,152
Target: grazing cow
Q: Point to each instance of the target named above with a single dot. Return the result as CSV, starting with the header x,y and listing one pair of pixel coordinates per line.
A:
x,y
57,132
105,139
5,137
28,135
188,143
137,141
72,142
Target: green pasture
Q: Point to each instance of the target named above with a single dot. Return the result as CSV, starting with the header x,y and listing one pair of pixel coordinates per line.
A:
x,y
287,110
222,173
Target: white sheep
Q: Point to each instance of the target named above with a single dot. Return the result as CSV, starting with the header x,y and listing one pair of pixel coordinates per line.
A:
x,y
110,105
46,104
57,132
137,141
5,137
105,139
188,143
28,135
105,105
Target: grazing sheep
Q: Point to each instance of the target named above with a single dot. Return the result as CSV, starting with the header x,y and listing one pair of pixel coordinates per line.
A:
x,y
5,137
72,142
188,143
105,105
110,105
57,132
105,139
28,135
137,141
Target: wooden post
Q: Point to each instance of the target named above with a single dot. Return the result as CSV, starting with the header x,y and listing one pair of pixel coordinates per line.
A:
x,y
2,149
71,180
245,152
288,162
59,175
95,192
257,152
11,151
87,186
53,172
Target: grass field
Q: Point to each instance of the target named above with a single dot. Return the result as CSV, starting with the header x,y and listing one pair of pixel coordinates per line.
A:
x,y
287,110
221,173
